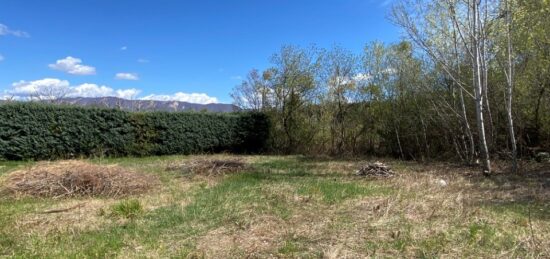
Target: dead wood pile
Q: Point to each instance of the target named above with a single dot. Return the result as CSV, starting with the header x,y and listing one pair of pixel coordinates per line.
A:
x,y
376,169
209,166
76,178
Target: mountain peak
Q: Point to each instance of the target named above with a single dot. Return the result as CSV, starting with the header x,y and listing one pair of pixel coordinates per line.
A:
x,y
148,105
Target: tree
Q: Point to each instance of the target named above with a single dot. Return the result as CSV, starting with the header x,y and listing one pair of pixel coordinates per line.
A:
x,y
340,69
427,24
254,93
508,69
471,78
50,93
293,83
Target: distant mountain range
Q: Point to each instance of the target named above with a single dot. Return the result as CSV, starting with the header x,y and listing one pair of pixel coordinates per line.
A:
x,y
147,105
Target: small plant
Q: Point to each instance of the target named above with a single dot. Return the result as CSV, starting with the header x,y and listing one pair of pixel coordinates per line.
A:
x,y
290,247
128,209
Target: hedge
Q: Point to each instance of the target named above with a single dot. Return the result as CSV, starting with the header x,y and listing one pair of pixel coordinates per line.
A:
x,y
47,131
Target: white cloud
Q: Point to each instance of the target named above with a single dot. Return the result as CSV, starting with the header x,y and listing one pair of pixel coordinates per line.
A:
x,y
91,90
1,57
127,76
5,96
49,88
142,60
24,88
4,30
390,71
361,77
357,78
201,98
72,66
236,78
128,93
123,48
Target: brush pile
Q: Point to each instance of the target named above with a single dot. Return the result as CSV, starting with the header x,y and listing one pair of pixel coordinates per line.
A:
x,y
376,169
76,179
209,166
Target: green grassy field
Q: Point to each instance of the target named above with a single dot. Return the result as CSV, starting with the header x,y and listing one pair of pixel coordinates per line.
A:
x,y
289,206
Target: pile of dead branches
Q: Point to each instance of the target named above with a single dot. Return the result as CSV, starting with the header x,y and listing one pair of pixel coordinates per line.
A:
x,y
204,166
76,178
376,169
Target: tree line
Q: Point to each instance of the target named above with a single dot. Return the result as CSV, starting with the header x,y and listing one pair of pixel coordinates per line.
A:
x,y
470,81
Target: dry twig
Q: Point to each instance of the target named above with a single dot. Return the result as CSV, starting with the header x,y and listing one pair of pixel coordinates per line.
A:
x,y
77,178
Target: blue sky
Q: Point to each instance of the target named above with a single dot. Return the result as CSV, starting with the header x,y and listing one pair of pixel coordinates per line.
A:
x,y
159,48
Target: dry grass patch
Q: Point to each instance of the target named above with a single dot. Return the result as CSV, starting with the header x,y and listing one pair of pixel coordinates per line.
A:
x,y
445,209
69,216
76,179
262,234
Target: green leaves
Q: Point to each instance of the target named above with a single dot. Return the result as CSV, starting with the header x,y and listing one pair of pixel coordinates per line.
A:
x,y
44,131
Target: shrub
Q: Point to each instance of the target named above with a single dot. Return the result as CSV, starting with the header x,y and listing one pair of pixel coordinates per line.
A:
x,y
46,131
40,131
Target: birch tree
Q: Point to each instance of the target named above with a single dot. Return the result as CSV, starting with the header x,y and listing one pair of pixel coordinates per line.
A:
x,y
508,69
423,20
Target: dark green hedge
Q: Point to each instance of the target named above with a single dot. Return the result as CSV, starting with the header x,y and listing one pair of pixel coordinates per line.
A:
x,y
42,131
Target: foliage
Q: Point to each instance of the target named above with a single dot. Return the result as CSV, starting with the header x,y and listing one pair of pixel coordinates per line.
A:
x,y
43,131
416,99
39,131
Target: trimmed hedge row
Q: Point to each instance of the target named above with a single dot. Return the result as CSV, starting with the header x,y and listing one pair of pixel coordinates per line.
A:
x,y
45,131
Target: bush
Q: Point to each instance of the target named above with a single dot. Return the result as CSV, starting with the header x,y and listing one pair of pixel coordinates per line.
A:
x,y
45,131
39,131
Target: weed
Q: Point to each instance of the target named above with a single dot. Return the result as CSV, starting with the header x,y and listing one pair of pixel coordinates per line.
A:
x,y
290,247
128,209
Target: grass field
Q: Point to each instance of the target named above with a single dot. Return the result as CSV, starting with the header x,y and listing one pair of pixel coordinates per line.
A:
x,y
290,206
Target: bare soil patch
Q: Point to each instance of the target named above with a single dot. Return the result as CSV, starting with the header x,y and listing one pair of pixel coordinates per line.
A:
x,y
76,179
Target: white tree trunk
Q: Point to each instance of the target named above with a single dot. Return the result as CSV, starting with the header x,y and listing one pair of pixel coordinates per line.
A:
x,y
510,87
478,85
